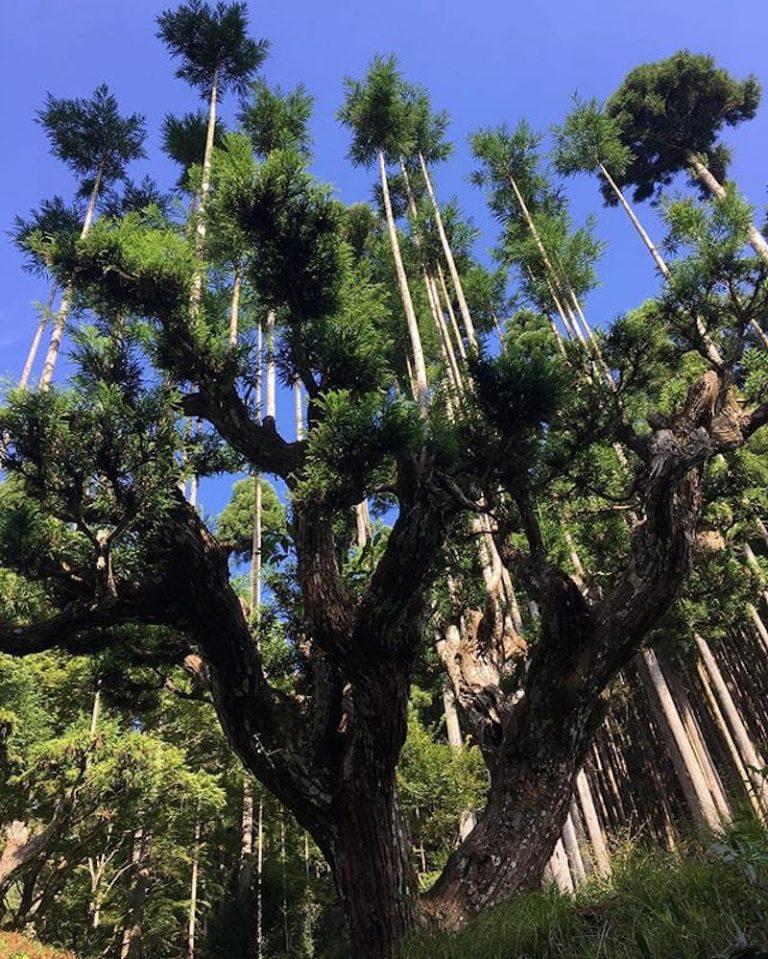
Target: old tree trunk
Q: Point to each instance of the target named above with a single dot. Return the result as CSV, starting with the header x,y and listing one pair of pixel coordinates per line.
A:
x,y
329,750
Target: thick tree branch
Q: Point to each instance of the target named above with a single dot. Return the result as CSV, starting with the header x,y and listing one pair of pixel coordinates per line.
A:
x,y
259,443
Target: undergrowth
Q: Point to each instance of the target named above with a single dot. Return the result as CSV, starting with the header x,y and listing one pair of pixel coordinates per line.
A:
x,y
705,902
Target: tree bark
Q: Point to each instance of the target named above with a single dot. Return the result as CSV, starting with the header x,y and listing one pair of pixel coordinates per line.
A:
x,y
698,744
196,292
733,749
260,883
270,380
234,310
593,825
658,259
245,873
419,367
573,851
131,944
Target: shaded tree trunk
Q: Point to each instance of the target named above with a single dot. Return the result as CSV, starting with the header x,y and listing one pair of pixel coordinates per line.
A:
x,y
131,943
752,760
192,923
245,873
689,771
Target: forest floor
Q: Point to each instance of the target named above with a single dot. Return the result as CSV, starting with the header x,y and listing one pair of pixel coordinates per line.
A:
x,y
15,946
709,902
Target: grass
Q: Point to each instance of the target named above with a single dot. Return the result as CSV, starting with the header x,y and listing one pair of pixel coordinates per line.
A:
x,y
14,946
702,904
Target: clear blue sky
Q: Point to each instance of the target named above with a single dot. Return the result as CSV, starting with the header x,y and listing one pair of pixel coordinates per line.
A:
x,y
485,62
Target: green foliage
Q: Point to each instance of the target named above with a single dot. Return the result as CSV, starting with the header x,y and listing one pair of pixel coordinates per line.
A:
x,y
275,120
212,44
437,784
235,523
673,108
351,448
133,266
184,141
15,946
656,906
54,223
135,197
378,112
350,348
587,139
295,226
89,135
520,394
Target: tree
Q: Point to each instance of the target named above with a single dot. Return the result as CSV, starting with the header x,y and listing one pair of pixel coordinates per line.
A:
x,y
124,565
216,54
31,237
589,141
670,114
182,137
275,120
378,113
96,143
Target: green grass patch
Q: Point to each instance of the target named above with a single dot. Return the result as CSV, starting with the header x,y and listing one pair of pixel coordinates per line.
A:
x,y
702,904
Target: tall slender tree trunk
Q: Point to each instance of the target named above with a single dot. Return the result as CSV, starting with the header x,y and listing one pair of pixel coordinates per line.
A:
x,y
36,339
362,523
298,408
205,180
573,851
260,883
697,740
419,366
760,628
690,772
448,253
245,872
192,923
451,314
733,749
658,259
270,380
752,759
256,550
593,825
256,544
284,880
131,944
704,175
54,343
234,311
451,713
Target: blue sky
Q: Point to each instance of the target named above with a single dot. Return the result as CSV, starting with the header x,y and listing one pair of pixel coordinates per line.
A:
x,y
486,62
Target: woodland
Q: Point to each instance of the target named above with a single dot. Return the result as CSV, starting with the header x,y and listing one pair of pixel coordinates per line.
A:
x,y
474,662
